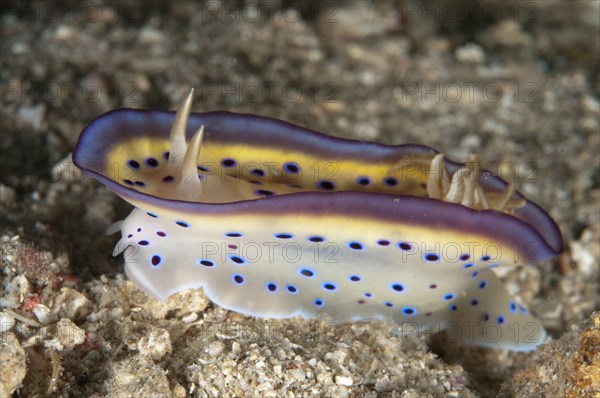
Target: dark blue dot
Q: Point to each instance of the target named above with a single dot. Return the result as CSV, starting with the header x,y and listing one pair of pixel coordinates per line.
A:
x,y
139,183
166,155
390,181
388,304
468,265
513,307
432,257
319,302
329,286
500,319
405,246
182,224
449,296
228,162
383,242
291,289
307,272
486,317
151,162
237,260
168,178
474,302
264,192
433,286
233,234
271,287
238,279
134,164
474,274
291,167
368,295
161,234
485,258
409,311
143,243
201,177
202,168
523,309
128,182
364,181
355,246
354,278
464,257
257,172
130,235
152,215
139,230
206,263
284,236
316,239
326,185
453,307
482,284
397,287
156,260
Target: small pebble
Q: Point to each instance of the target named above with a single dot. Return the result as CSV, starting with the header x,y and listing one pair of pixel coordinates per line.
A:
x,y
68,334
343,380
7,322
14,365
32,115
71,304
7,195
155,344
470,53
189,318
65,335
43,314
215,348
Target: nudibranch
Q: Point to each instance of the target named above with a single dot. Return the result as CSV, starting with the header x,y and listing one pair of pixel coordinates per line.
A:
x,y
275,220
